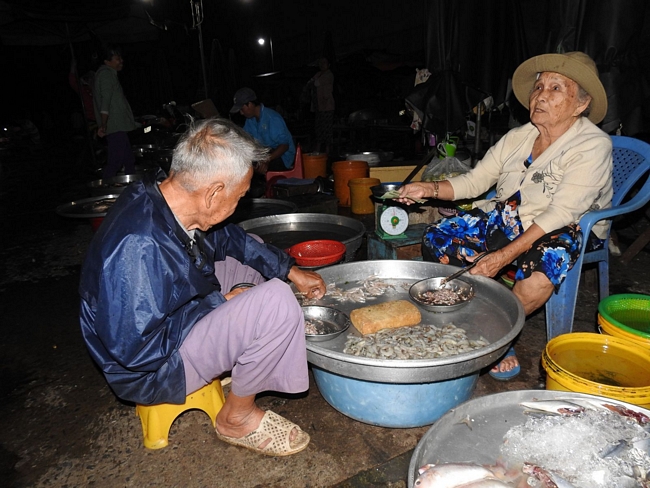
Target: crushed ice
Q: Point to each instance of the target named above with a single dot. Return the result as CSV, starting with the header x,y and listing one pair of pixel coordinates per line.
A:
x,y
592,450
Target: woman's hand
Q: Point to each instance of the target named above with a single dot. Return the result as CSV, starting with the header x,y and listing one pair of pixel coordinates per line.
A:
x,y
308,282
491,264
408,193
440,190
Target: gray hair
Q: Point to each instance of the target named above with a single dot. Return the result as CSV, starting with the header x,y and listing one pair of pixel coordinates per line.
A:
x,y
582,97
214,148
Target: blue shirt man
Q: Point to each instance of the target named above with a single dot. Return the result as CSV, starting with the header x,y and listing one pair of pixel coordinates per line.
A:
x,y
267,127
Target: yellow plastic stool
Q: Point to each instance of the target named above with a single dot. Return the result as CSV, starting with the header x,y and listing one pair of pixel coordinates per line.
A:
x,y
157,419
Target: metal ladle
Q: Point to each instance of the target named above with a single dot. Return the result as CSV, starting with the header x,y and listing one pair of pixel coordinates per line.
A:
x,y
462,270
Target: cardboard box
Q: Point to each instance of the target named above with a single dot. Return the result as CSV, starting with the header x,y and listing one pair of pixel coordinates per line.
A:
x,y
391,174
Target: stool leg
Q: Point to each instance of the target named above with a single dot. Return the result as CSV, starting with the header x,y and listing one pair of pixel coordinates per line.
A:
x,y
155,432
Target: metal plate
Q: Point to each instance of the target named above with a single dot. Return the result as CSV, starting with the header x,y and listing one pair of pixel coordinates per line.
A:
x,y
114,185
284,231
492,416
494,313
88,208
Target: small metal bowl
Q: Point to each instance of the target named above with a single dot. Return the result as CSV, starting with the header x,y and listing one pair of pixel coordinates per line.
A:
x,y
464,290
334,322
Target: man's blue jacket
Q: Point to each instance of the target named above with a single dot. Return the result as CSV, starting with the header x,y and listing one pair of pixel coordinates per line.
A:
x,y
144,286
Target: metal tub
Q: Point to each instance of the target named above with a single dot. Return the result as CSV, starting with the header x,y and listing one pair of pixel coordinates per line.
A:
x,y
286,230
411,393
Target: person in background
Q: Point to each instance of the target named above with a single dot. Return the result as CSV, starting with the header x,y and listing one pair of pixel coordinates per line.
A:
x,y
113,113
324,105
268,128
548,174
86,81
163,310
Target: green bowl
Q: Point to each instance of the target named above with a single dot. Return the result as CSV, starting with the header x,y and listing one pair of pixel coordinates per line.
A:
x,y
629,311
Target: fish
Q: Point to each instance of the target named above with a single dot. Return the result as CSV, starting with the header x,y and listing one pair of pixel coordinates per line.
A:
x,y
486,483
548,478
614,449
641,418
451,475
556,407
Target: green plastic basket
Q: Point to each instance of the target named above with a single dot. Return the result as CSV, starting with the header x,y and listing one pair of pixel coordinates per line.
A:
x,y
630,312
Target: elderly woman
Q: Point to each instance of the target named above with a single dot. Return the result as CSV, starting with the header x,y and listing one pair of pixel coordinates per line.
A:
x,y
548,174
161,312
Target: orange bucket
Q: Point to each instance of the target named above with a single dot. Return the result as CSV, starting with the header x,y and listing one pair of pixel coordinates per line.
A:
x,y
360,193
344,171
314,165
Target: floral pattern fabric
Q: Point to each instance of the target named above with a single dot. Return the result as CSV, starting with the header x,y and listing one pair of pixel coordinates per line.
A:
x,y
458,240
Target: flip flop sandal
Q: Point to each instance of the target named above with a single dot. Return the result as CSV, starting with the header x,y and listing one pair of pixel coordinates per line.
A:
x,y
506,375
273,427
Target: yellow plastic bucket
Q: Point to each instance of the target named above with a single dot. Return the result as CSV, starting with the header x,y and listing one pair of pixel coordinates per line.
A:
x,y
344,171
314,165
360,195
599,365
606,327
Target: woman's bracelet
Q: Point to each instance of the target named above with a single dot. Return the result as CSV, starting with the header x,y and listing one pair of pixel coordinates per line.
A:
x,y
436,188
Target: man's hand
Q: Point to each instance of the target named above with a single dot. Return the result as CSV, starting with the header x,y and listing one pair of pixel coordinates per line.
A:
x,y
308,282
101,132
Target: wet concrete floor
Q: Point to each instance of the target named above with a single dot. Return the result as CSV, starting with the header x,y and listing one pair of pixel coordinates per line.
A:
x,y
63,427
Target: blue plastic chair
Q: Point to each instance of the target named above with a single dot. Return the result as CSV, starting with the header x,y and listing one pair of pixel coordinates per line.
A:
x,y
631,163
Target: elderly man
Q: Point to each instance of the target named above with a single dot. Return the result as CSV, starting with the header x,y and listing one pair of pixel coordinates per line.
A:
x,y
160,312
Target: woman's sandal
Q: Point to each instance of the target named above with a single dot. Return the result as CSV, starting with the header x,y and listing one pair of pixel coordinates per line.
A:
x,y
273,427
506,375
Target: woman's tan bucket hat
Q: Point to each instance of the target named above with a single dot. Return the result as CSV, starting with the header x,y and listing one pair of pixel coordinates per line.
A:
x,y
575,65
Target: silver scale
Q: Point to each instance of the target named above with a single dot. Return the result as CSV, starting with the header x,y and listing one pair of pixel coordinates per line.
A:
x,y
391,221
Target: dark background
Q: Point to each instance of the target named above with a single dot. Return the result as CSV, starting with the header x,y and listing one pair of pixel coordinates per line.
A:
x,y
375,47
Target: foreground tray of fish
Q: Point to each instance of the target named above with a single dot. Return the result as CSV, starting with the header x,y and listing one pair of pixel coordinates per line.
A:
x,y
537,439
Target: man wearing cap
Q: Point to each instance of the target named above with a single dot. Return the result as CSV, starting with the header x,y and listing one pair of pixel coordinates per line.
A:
x,y
268,128
548,174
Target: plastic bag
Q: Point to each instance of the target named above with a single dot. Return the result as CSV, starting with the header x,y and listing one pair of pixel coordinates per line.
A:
x,y
443,169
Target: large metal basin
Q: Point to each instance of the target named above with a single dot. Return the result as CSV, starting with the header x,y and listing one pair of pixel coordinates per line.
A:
x,y
450,439
284,231
411,393
494,313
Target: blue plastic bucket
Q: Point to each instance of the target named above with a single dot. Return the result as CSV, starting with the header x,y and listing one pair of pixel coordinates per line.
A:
x,y
398,405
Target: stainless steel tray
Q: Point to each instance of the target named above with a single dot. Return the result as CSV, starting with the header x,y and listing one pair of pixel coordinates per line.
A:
x,y
494,313
87,208
286,230
114,185
451,440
